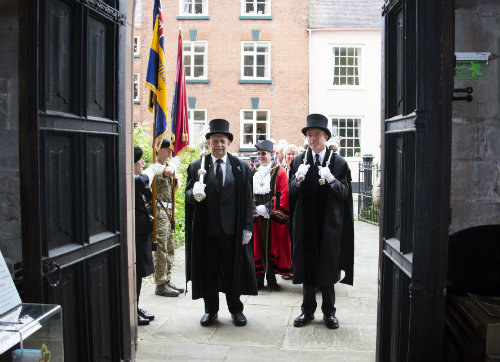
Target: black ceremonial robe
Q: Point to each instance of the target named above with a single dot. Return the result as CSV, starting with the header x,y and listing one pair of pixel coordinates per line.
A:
x,y
244,280
323,223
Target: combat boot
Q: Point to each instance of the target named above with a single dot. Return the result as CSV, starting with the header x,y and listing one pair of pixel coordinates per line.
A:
x,y
166,291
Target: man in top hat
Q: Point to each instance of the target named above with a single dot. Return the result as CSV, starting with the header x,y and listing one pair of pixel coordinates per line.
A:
x,y
219,224
166,185
323,224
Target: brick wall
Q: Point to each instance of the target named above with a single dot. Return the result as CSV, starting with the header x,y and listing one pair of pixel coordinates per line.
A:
x,y
286,98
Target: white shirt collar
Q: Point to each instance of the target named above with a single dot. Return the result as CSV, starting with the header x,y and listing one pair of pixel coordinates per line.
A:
x,y
321,155
224,159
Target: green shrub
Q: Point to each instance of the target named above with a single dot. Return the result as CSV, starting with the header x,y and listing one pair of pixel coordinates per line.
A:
x,y
142,139
186,157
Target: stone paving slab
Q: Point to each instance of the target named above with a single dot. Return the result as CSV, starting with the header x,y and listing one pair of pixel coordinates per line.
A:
x,y
176,334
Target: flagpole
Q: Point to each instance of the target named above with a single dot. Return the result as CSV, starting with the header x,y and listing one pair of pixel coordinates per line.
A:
x,y
154,181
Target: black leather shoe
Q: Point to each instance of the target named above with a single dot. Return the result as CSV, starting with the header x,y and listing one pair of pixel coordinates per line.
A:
x,y
208,319
145,314
239,319
331,321
273,285
303,319
142,321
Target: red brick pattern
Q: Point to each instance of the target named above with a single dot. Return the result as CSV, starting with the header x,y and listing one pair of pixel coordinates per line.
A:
x,y
224,97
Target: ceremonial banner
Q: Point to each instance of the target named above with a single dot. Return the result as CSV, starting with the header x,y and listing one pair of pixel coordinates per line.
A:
x,y
180,127
156,79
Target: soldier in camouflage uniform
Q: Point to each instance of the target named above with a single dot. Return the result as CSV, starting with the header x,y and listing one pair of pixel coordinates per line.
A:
x,y
165,249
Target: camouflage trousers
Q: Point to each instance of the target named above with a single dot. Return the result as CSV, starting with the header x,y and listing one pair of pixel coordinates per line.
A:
x,y
165,247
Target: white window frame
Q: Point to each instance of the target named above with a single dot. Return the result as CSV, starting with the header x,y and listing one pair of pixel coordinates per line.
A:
x,y
191,122
336,132
183,3
267,11
254,122
135,88
267,71
192,53
360,66
137,46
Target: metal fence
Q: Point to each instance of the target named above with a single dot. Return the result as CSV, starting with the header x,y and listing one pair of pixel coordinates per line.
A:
x,y
368,174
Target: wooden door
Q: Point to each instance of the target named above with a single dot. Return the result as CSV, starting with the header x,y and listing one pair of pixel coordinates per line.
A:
x,y
72,170
416,112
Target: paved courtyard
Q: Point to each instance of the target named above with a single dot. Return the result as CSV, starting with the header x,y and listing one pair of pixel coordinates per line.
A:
x,y
176,333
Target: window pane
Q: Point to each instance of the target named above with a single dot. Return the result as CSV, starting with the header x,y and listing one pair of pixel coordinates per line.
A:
x,y
261,72
261,116
350,51
248,128
248,47
248,115
187,47
198,71
336,51
248,60
349,132
261,8
248,72
187,70
261,59
350,153
342,52
198,59
248,139
262,48
350,81
349,123
249,8
199,48
199,115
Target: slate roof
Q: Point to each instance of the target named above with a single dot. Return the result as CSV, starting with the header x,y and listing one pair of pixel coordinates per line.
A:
x,y
349,14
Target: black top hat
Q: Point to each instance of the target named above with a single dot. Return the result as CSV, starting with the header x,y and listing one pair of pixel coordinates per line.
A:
x,y
219,126
165,143
318,121
265,145
137,153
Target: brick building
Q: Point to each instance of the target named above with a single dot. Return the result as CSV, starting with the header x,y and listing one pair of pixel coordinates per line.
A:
x,y
246,61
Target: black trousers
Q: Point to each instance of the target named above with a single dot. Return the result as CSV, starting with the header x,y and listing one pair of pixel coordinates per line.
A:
x,y
309,299
219,267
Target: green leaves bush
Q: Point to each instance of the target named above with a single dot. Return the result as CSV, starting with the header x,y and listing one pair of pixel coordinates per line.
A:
x,y
186,157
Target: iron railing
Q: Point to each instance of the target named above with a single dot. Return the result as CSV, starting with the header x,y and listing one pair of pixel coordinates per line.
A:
x,y
368,175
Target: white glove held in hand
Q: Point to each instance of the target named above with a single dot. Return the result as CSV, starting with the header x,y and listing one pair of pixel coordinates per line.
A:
x,y
199,191
174,162
262,211
325,173
153,170
245,238
301,171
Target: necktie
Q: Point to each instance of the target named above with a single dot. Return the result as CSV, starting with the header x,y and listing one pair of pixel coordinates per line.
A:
x,y
316,160
218,175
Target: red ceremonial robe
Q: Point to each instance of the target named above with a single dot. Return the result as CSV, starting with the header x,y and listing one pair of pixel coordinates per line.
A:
x,y
280,254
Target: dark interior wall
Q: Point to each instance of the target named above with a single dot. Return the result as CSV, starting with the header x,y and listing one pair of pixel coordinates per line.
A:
x,y
10,208
475,173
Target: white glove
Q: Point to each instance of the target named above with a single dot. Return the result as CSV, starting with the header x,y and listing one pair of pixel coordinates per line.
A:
x,y
156,168
325,174
301,171
153,170
245,238
174,162
262,211
199,191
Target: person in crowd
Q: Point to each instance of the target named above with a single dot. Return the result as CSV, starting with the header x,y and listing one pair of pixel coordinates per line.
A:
x,y
164,254
290,152
143,225
272,251
323,230
219,224
280,155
